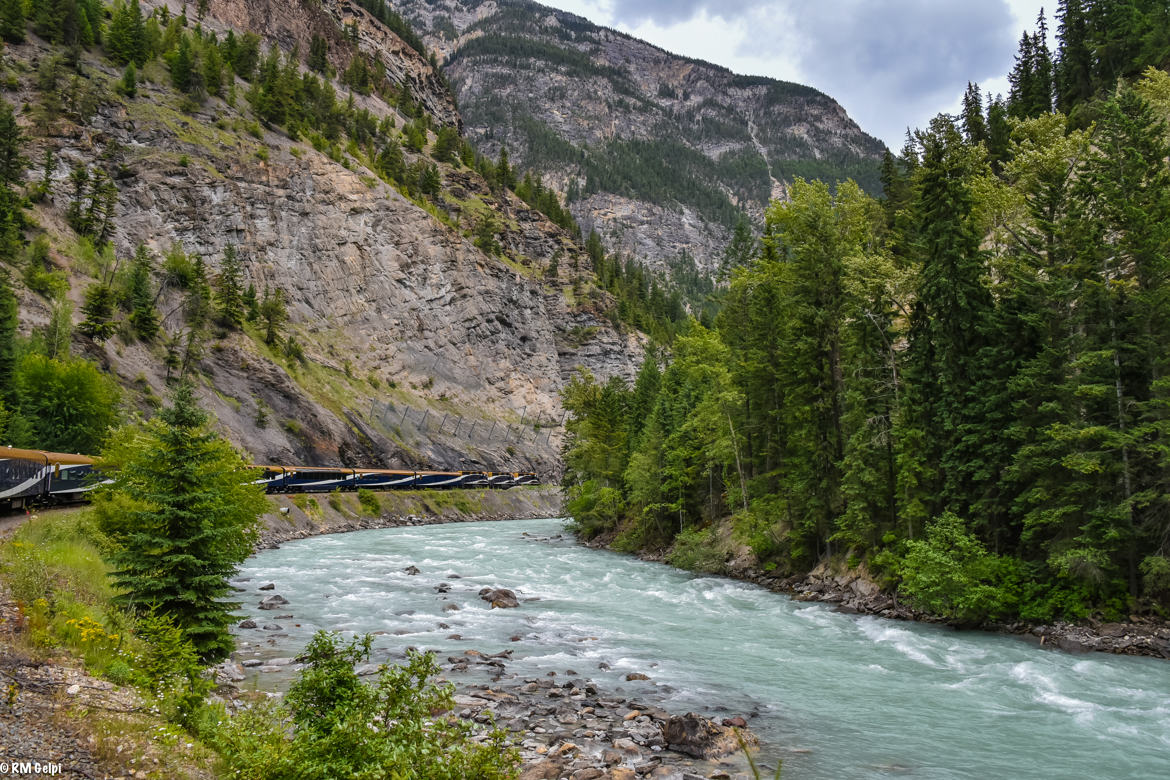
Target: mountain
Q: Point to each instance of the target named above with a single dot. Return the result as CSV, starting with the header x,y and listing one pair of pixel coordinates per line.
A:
x,y
429,322
659,153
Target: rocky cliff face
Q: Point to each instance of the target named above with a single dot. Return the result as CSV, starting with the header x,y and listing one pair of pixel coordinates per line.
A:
x,y
421,349
658,152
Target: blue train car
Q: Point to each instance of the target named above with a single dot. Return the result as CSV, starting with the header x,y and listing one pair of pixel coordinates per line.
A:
x,y
441,479
312,479
385,479
30,477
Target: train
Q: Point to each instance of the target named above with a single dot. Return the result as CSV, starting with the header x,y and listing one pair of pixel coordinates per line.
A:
x,y
36,478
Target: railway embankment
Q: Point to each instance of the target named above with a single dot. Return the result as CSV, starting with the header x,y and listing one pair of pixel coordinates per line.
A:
x,y
313,514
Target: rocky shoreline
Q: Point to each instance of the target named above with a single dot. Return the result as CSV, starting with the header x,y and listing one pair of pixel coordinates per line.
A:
x,y
855,593
293,518
565,726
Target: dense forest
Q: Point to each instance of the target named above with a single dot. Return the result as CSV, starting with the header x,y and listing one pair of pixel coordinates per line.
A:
x,y
961,385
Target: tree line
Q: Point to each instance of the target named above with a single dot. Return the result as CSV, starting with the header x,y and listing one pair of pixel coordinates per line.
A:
x,y
962,383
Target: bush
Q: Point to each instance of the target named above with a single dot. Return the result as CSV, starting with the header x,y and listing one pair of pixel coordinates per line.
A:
x,y
951,574
697,549
369,501
342,728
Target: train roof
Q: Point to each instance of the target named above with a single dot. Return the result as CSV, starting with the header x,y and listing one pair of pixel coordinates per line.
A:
x,y
62,458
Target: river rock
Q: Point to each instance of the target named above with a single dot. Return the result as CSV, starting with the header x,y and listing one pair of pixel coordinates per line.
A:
x,y
249,623
412,570
251,662
736,722
275,601
501,598
269,586
632,676
702,738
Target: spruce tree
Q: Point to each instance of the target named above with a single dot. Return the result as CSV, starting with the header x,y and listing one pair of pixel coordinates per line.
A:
x,y
1074,60
194,521
143,317
229,295
12,20
273,313
98,309
948,326
974,124
318,54
126,39
8,326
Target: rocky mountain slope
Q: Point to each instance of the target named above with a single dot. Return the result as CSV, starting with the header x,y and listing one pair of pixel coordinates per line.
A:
x,y
659,153
420,349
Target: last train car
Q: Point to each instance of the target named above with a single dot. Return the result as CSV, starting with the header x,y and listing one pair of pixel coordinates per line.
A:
x,y
37,477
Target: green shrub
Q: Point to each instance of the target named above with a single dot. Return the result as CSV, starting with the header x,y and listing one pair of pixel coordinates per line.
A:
x,y
335,499
369,501
951,574
697,549
342,728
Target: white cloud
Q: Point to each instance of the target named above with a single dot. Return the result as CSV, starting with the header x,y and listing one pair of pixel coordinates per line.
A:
x,y
893,64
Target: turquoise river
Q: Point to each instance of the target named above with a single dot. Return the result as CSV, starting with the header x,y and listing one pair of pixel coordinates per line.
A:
x,y
834,695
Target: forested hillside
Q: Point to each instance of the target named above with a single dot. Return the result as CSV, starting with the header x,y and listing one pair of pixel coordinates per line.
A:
x,y
961,384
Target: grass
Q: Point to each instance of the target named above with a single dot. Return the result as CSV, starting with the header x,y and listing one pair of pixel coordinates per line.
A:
x,y
54,568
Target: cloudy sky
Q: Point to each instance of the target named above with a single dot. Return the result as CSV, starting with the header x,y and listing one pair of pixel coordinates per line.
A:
x,y
891,63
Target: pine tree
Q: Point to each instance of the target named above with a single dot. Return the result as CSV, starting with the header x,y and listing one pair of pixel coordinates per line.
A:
x,y
194,521
98,310
228,293
318,54
251,304
948,327
8,326
999,133
143,317
505,176
12,20
974,125
126,39
274,314
1022,79
1074,59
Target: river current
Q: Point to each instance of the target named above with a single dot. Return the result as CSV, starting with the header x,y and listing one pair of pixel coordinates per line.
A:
x,y
833,695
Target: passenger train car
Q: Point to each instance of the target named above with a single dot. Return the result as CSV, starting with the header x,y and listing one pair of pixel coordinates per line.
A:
x,y
36,477
30,477
312,479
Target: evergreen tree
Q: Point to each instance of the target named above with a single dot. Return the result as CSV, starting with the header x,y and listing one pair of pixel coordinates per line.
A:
x,y
98,310
12,20
194,521
974,124
126,39
143,317
273,313
318,54
8,326
999,133
505,176
1074,59
229,294
948,326
251,304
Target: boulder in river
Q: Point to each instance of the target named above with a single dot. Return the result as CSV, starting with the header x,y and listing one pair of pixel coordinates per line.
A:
x,y
499,597
275,601
412,570
702,738
249,623
269,586
636,676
